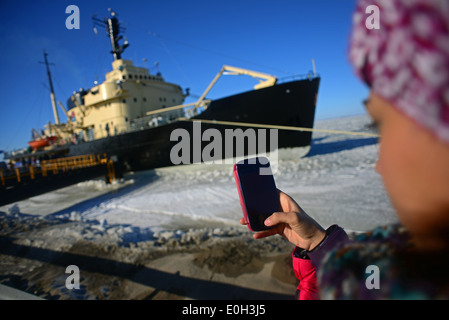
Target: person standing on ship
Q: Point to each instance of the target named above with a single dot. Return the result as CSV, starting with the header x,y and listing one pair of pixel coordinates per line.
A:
x,y
106,127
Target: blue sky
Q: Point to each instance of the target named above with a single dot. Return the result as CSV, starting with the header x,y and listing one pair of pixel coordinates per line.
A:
x,y
190,40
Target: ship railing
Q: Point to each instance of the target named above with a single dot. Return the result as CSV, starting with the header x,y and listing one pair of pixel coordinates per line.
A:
x,y
309,76
162,116
145,123
71,163
55,166
190,109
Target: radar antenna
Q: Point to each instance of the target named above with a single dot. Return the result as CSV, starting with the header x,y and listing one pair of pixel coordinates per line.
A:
x,y
113,30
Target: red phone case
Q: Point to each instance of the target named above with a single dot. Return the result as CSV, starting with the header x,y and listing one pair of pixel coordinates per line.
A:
x,y
242,201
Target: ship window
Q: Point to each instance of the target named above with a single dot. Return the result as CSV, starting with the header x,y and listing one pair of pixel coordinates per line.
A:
x,y
130,76
124,100
135,99
123,77
144,99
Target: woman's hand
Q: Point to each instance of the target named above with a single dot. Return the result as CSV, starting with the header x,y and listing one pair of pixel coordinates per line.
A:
x,y
293,224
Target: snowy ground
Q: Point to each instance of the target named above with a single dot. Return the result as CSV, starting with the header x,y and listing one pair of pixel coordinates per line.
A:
x,y
335,183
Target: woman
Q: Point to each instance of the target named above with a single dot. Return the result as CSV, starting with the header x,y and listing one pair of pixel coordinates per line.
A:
x,y
406,65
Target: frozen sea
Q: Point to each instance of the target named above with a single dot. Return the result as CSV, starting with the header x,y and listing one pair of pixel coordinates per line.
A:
x,y
335,183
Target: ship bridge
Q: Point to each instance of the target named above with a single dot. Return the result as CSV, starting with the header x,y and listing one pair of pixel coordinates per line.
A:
x,y
127,95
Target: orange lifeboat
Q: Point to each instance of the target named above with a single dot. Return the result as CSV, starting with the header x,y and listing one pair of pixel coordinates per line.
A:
x,y
41,143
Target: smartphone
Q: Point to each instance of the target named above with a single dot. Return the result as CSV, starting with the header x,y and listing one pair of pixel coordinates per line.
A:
x,y
257,190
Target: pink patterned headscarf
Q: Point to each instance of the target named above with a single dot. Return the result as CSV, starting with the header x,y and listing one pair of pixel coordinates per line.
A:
x,y
406,60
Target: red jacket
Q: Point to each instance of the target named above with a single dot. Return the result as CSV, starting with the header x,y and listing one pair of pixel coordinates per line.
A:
x,y
305,262
306,274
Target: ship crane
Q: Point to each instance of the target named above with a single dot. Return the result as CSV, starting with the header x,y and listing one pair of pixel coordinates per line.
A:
x,y
267,79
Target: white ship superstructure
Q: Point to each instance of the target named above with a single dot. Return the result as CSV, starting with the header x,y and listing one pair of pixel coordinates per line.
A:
x,y
120,104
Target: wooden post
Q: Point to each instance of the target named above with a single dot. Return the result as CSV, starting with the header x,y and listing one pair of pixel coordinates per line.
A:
x,y
44,168
31,168
111,171
18,174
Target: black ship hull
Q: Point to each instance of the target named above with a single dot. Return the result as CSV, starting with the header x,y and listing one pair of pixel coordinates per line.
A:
x,y
287,104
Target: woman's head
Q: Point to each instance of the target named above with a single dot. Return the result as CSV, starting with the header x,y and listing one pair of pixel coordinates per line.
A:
x,y
406,65
414,166
406,61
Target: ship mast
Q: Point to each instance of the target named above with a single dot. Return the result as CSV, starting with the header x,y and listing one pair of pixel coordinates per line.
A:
x,y
113,29
52,91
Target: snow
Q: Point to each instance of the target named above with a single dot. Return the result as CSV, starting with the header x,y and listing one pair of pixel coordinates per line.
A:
x,y
335,183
